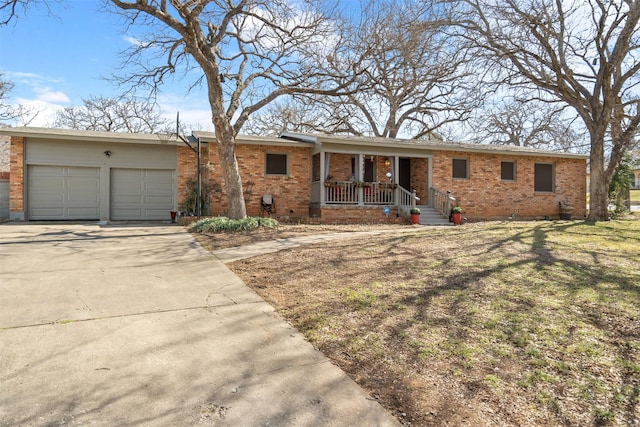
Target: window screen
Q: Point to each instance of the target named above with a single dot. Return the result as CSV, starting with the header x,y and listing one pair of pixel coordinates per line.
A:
x,y
543,180
508,171
276,164
460,168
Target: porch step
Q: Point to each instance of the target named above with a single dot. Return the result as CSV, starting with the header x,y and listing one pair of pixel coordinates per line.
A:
x,y
429,216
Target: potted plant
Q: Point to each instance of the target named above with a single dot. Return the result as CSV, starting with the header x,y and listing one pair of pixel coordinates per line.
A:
x,y
415,215
456,215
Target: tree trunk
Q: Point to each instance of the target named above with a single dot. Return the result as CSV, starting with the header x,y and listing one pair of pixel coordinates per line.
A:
x,y
599,184
598,205
230,171
226,139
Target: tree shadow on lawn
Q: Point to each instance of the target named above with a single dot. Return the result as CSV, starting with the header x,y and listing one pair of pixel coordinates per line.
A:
x,y
442,309
551,282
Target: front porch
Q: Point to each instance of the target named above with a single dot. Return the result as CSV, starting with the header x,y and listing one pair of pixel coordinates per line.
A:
x,y
364,193
369,186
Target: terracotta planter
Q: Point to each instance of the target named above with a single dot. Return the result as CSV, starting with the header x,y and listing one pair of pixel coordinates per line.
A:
x,y
415,218
456,218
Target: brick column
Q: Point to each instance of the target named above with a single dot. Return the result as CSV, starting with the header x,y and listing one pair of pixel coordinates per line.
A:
x,y
16,178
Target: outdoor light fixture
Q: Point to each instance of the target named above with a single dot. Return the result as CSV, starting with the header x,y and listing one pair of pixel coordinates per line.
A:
x,y
107,153
387,163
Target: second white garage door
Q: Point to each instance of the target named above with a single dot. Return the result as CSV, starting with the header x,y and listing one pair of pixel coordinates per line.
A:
x,y
141,194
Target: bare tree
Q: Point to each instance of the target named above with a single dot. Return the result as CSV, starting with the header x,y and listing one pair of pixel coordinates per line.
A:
x,y
410,80
246,52
11,9
112,115
526,123
290,115
583,53
9,112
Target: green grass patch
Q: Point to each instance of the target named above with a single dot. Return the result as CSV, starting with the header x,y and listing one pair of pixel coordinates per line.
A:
x,y
359,299
221,224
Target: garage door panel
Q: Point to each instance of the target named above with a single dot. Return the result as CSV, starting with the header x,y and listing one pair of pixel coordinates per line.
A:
x,y
83,193
123,213
47,213
158,188
46,171
141,194
63,192
46,185
81,211
158,200
52,196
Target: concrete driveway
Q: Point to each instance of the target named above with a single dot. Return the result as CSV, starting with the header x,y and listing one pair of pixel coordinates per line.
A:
x,y
139,325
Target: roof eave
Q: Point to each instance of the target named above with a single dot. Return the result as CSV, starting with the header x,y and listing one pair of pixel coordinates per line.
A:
x,y
89,136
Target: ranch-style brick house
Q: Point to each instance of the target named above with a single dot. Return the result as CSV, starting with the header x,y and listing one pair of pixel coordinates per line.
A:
x,y
60,174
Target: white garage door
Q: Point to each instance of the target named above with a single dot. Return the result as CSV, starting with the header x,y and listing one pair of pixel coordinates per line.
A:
x,y
63,192
141,194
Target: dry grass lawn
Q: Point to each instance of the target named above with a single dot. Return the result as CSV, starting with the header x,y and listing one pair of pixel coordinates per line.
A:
x,y
487,324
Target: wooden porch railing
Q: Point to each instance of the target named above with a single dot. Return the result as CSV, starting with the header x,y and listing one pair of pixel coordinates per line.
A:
x,y
441,201
351,192
408,200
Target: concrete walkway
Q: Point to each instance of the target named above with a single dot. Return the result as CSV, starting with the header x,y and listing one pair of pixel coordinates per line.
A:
x,y
229,255
139,325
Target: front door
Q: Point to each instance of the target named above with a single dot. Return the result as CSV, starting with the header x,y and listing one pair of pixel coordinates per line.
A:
x,y
404,174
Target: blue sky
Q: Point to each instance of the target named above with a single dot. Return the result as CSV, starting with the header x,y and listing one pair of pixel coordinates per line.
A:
x,y
57,60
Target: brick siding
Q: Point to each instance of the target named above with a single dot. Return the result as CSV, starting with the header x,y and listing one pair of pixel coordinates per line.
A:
x,y
419,172
483,196
187,169
290,192
486,196
360,214
16,178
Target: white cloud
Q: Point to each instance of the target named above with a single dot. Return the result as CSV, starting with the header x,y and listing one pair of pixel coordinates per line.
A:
x,y
194,113
41,113
38,96
132,40
47,95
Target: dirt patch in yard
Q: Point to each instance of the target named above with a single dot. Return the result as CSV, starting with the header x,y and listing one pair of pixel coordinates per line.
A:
x,y
519,324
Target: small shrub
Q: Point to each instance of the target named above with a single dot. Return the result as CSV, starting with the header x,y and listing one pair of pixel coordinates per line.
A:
x,y
221,224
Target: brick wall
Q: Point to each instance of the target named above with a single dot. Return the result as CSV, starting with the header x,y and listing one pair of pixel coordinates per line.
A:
x,y
187,169
16,178
360,214
340,167
290,193
486,196
419,173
